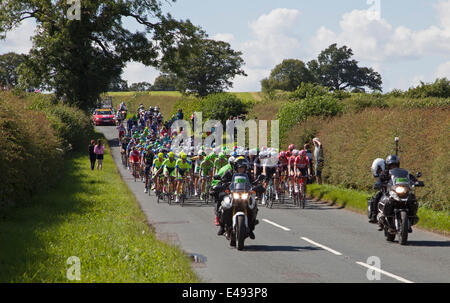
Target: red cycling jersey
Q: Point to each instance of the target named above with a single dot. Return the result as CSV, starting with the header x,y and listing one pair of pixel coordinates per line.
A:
x,y
291,161
135,156
282,161
301,163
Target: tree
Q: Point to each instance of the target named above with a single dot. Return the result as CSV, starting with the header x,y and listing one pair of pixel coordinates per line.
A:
x,y
210,69
8,68
79,58
222,106
287,75
117,84
165,82
334,69
141,87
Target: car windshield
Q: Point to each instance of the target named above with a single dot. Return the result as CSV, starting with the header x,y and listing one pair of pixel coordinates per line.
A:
x,y
103,112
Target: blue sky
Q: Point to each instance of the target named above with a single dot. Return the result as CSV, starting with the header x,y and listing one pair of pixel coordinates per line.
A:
x,y
406,41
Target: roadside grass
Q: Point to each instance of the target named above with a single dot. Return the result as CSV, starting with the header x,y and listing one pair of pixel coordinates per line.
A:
x,y
91,215
437,221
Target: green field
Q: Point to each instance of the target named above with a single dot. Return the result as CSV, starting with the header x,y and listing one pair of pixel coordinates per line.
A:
x,y
91,215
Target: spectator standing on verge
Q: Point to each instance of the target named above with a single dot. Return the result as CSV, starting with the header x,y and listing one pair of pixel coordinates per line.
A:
x,y
99,149
92,154
318,160
309,154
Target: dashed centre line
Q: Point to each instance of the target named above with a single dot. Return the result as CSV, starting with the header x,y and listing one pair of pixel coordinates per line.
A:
x,y
322,246
277,225
384,272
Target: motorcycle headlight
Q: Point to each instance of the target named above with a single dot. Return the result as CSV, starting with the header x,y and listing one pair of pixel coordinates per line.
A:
x,y
401,190
236,196
244,196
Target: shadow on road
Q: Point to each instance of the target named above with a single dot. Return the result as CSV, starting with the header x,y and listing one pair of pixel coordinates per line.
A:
x,y
279,248
430,243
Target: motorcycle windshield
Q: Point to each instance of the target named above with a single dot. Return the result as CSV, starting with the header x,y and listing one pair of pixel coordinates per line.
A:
x,y
240,182
399,176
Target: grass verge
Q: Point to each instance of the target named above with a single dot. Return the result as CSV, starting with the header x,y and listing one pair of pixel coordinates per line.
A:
x,y
91,215
437,221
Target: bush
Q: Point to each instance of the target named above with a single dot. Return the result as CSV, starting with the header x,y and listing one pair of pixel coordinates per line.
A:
x,y
30,151
71,124
296,112
307,90
439,89
222,106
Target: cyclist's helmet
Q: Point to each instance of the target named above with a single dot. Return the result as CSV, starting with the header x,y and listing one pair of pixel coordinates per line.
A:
x,y
231,160
295,152
392,161
282,155
171,155
291,147
240,162
302,154
222,155
183,156
160,155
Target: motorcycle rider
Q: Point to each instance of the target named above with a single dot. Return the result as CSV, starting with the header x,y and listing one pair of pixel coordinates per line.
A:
x,y
224,176
240,167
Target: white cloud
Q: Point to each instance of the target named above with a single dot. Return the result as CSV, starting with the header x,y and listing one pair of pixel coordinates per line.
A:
x,y
19,40
226,37
374,39
252,82
443,70
136,72
273,41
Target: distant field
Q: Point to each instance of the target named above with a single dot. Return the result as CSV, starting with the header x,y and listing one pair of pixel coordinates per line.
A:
x,y
171,94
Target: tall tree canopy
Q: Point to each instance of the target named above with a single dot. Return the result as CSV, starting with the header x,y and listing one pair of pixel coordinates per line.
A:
x,y
141,86
165,82
9,64
287,75
210,69
335,69
80,58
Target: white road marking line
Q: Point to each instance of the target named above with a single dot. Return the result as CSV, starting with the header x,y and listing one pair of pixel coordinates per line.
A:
x,y
384,272
322,246
277,225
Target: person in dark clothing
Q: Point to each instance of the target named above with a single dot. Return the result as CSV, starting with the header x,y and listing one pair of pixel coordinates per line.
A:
x,y
92,155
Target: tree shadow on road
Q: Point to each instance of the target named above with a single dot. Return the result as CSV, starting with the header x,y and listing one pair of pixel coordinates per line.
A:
x,y
264,248
429,243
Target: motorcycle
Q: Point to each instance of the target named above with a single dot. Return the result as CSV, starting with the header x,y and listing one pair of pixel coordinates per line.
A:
x,y
238,201
398,205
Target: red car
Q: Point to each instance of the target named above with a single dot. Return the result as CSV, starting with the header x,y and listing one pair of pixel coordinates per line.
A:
x,y
104,116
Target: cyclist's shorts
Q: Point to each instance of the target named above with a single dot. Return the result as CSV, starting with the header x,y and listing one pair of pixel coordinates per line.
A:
x,y
181,173
147,170
169,171
270,171
303,171
204,173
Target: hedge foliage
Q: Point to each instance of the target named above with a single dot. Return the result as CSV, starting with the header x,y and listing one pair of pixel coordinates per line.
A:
x,y
35,134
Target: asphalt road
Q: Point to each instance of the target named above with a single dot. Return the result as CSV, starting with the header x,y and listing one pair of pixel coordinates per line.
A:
x,y
316,244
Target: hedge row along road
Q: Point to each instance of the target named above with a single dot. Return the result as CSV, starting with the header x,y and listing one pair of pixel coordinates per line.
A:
x,y
317,244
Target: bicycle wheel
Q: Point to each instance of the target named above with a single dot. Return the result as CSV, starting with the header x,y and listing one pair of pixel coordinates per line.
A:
x,y
270,196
